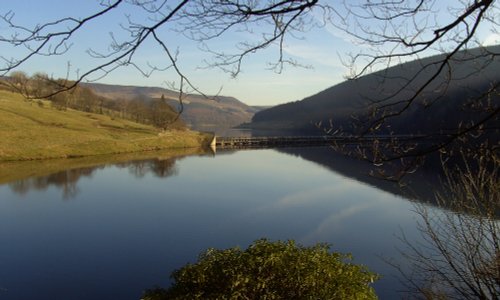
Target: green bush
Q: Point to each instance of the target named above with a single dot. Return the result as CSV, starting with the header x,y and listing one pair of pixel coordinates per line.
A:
x,y
270,270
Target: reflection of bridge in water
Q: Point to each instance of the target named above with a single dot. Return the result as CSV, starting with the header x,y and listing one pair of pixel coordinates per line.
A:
x,y
285,141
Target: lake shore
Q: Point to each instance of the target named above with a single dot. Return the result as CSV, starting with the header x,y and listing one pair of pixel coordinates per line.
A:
x,y
35,131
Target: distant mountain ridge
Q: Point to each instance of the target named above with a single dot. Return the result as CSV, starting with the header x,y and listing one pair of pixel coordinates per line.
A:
x,y
199,112
338,104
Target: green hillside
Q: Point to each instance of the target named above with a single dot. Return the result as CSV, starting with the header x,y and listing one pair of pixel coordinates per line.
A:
x,y
34,130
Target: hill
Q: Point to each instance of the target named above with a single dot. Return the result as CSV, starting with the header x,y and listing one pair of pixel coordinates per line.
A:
x,y
200,113
441,106
35,130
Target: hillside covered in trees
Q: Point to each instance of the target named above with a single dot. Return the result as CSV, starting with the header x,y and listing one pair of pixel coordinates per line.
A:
x,y
199,112
460,94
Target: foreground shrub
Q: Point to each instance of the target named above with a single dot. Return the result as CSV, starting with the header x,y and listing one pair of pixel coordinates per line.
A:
x,y
270,270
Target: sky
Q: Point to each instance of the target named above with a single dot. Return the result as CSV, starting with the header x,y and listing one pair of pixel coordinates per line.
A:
x,y
321,49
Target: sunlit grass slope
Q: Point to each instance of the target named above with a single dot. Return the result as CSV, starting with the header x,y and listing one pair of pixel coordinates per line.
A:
x,y
28,131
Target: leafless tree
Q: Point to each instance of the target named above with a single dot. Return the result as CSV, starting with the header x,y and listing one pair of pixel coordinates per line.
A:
x,y
459,256
390,32
398,31
197,19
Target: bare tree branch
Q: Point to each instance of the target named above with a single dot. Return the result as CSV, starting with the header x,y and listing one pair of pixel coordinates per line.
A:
x,y
390,31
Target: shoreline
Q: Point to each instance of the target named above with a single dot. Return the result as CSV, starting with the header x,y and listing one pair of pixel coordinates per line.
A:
x,y
200,141
32,131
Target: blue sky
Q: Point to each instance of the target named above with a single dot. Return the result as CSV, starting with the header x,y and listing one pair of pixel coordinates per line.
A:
x,y
319,48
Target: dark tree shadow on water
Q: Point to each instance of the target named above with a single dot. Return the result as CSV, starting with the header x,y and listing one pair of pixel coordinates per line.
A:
x,y
67,181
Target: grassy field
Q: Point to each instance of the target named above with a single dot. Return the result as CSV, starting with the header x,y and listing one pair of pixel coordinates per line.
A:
x,y
28,132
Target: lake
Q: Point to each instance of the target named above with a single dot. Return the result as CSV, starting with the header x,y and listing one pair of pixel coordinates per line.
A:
x,y
110,229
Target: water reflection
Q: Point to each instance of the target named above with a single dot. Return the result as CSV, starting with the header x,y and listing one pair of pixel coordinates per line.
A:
x,y
135,219
161,166
66,181
129,227
419,186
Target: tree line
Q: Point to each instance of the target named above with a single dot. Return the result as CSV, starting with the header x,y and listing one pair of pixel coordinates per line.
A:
x,y
142,109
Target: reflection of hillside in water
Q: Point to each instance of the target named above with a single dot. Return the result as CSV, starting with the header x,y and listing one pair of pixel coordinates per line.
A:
x,y
159,167
67,180
420,185
64,180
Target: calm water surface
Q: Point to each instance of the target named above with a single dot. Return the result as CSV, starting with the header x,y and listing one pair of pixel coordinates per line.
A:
x,y
113,231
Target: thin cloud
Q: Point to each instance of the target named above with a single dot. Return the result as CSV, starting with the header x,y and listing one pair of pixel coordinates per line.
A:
x,y
491,40
336,221
317,55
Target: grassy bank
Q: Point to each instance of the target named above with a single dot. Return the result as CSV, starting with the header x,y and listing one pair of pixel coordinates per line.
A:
x,y
29,131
